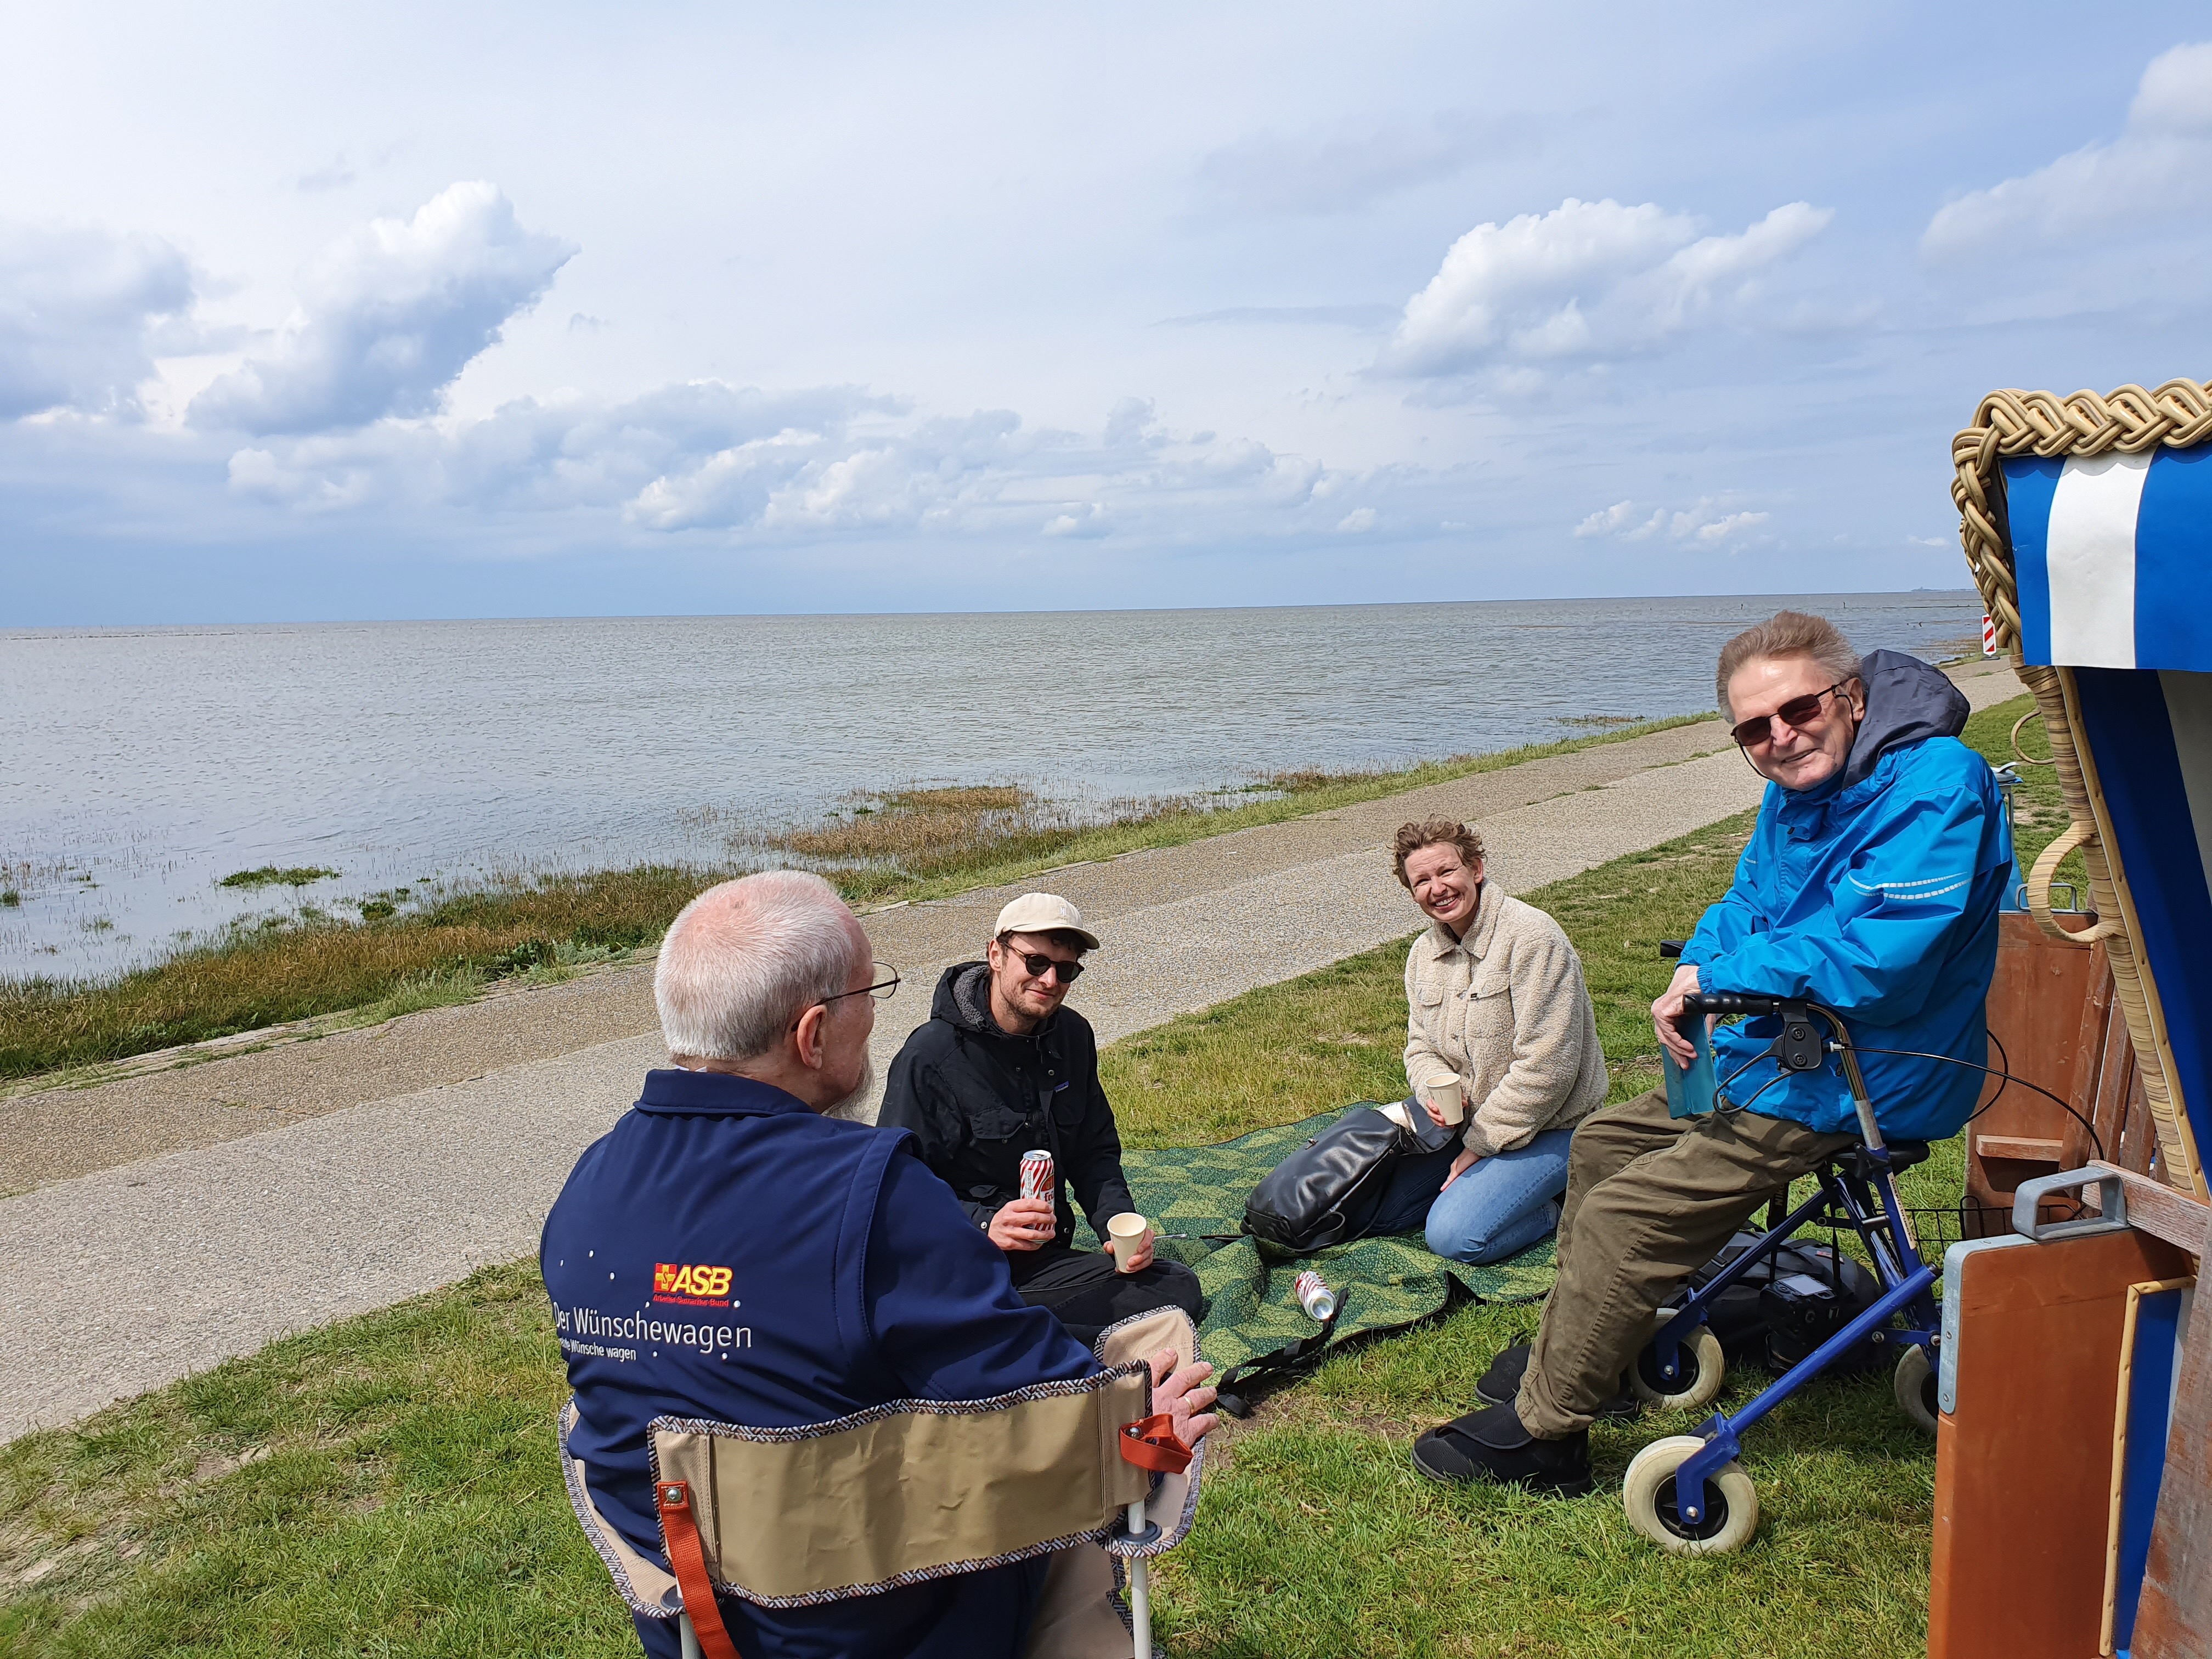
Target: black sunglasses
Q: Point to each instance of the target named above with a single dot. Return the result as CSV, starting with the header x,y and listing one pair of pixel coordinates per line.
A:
x,y
1040,966
1796,712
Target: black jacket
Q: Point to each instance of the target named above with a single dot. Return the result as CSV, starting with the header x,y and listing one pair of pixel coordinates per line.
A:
x,y
977,1098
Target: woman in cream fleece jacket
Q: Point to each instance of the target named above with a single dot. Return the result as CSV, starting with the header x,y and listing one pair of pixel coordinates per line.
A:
x,y
1495,998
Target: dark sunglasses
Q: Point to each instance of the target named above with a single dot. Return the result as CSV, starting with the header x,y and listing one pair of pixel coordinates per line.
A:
x,y
1796,712
1040,966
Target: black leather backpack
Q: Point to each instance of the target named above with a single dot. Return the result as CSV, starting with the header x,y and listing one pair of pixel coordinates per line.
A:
x,y
1328,1191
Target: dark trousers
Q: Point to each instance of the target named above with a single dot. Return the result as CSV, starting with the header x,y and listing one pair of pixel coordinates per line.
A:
x,y
1083,1289
969,1615
1650,1198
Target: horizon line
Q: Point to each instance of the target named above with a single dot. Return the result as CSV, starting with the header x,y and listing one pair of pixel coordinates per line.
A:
x,y
18,629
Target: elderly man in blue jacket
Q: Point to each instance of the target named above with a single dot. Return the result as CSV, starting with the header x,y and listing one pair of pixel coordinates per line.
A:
x,y
1871,885
725,1251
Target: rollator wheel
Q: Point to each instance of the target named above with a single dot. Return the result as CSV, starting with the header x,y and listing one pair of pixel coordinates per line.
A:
x,y
1915,1383
1648,1494
1699,1385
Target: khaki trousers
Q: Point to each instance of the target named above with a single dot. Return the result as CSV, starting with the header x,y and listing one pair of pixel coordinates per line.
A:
x,y
1649,1200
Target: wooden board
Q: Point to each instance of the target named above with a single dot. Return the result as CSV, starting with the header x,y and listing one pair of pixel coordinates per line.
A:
x,y
2024,1461
2050,1022
2173,1619
2157,1209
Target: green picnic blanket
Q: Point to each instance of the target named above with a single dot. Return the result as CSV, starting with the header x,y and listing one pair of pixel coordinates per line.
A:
x,y
1382,1283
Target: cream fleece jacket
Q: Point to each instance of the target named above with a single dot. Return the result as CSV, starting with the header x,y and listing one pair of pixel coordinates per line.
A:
x,y
1505,1011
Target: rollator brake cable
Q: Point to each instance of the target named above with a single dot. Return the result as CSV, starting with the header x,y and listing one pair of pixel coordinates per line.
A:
x,y
2003,1075
2095,1139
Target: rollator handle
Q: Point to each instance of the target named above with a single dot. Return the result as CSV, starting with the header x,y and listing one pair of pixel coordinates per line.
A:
x,y
1730,1002
1797,1048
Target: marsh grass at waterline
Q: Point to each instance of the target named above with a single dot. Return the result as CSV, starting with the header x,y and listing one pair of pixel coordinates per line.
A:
x,y
409,948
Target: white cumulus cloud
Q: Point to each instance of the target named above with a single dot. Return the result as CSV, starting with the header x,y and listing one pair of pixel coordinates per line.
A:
x,y
1705,521
1608,522
1085,519
2158,171
389,316
82,315
742,463
1588,279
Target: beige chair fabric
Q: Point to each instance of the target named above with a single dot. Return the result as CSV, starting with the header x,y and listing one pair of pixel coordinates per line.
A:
x,y
1173,1502
920,1489
643,1587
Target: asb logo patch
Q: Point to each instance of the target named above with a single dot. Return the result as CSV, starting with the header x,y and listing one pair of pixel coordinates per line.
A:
x,y
694,1285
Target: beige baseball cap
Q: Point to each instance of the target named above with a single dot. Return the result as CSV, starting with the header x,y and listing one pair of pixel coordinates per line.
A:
x,y
1044,912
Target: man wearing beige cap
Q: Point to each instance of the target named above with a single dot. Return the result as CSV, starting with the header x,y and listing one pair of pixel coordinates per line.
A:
x,y
1002,1069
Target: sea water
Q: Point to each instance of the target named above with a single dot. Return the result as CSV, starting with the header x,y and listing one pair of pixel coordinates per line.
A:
x,y
140,766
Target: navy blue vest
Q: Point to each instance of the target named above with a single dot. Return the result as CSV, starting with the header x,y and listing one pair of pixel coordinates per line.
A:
x,y
709,1257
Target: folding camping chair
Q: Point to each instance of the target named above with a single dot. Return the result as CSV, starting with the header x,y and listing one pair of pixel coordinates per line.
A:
x,y
917,1490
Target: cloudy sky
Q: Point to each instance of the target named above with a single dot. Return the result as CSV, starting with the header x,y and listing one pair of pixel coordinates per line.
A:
x,y
459,310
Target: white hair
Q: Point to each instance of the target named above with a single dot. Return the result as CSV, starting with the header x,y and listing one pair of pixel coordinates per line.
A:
x,y
746,957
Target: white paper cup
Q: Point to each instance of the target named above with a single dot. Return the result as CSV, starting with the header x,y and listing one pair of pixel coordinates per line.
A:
x,y
1123,1234
1448,1099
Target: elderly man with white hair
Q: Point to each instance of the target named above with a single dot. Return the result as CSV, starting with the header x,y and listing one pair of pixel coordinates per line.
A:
x,y
727,1251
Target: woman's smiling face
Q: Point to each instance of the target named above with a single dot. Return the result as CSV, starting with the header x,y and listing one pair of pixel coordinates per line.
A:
x,y
1445,888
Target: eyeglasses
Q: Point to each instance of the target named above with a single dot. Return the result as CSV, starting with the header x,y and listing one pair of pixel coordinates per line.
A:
x,y
1796,712
882,990
1040,966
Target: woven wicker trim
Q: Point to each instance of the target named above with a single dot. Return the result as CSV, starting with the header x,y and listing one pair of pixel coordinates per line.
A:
x,y
2177,415
2129,421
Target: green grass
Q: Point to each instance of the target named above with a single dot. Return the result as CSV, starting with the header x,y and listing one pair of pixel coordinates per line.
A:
x,y
268,875
388,1485
274,972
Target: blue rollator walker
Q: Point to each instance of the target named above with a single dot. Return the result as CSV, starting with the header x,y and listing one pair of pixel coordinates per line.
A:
x,y
1686,1493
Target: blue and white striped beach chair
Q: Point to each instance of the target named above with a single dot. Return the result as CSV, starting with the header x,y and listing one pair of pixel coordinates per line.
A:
x,y
2089,522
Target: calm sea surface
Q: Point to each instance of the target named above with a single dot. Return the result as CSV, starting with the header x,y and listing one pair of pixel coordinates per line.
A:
x,y
139,767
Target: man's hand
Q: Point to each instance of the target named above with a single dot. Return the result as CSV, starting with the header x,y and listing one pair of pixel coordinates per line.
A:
x,y
1667,1011
1023,1224
1183,1396
1468,1158
1140,1255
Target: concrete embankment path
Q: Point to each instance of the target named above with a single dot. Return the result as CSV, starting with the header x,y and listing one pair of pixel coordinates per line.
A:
x,y
178,1217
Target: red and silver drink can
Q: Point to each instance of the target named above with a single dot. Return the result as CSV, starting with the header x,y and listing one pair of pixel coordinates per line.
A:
x,y
1314,1294
1037,1175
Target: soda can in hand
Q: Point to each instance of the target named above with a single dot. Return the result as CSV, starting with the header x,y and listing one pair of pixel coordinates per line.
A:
x,y
1314,1295
1037,1174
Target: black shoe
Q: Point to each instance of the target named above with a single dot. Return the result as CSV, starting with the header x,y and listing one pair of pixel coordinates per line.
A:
x,y
1491,1445
1501,1385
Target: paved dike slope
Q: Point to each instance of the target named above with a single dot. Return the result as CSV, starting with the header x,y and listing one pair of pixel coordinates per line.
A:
x,y
178,1217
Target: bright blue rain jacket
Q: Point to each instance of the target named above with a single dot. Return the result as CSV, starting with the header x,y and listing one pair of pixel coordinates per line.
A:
x,y
1875,893
726,1252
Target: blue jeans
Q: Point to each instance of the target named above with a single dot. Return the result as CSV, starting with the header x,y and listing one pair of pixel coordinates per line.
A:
x,y
1498,1208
